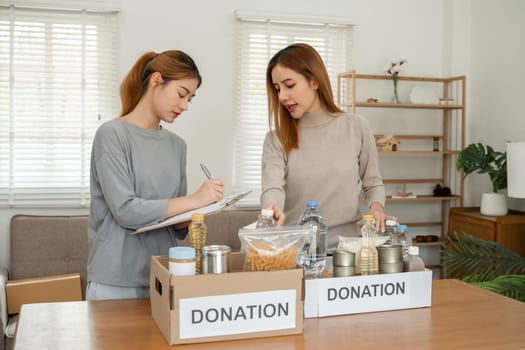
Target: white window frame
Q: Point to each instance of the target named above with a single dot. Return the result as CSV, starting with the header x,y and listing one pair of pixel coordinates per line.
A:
x,y
58,83
259,36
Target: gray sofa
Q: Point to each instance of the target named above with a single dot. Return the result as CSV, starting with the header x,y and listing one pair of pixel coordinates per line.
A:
x,y
52,245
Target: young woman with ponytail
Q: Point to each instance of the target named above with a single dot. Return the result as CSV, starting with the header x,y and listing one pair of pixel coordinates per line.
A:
x,y
138,177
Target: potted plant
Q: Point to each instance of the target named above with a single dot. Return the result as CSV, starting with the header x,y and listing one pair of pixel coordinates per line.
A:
x,y
485,160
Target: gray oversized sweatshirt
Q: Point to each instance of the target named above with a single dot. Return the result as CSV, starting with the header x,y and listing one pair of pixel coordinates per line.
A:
x,y
134,171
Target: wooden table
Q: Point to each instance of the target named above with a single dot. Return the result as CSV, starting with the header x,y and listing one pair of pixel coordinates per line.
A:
x,y
461,317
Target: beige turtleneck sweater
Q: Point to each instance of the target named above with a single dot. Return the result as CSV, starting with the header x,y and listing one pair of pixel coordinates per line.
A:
x,y
335,161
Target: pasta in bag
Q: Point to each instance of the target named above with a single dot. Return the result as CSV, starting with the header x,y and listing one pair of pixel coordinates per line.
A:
x,y
275,248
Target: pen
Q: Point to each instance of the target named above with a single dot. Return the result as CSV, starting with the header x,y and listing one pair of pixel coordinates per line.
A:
x,y
206,171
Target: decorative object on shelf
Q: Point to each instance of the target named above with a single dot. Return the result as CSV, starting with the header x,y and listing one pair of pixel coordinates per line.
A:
x,y
388,143
515,169
405,194
485,264
421,95
426,238
371,100
436,144
441,191
393,68
484,160
446,101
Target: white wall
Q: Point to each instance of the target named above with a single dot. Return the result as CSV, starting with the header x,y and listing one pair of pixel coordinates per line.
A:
x,y
439,37
497,80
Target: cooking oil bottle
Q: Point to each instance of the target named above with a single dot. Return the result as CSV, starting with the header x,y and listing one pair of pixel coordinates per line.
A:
x,y
369,256
197,238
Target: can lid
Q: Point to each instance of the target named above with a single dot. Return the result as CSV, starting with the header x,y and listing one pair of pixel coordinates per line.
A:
x,y
215,249
182,253
197,217
368,217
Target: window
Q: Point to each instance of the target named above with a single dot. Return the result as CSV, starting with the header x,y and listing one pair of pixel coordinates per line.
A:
x,y
57,84
259,38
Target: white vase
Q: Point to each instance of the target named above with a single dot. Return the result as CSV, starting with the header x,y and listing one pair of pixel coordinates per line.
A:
x,y
493,204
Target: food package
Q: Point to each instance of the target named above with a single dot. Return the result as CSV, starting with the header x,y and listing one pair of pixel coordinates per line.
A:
x,y
274,248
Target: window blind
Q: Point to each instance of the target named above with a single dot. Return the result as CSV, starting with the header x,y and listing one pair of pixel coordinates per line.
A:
x,y
58,83
258,39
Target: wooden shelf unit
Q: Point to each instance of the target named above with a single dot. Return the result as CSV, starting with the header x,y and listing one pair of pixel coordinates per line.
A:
x,y
450,138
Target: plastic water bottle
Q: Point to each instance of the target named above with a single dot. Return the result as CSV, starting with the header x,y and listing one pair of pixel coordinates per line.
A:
x,y
197,238
402,237
369,255
413,262
265,219
313,257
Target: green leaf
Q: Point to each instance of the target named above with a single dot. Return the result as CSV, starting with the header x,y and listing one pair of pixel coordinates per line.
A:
x,y
485,260
512,286
484,160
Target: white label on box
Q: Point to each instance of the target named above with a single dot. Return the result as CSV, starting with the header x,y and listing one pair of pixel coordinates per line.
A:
x,y
357,294
237,313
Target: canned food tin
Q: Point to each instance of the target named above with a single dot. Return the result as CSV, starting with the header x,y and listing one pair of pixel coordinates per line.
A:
x,y
216,259
344,271
343,258
390,253
391,267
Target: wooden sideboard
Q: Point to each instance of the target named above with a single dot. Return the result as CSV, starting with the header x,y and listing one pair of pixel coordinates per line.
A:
x,y
509,230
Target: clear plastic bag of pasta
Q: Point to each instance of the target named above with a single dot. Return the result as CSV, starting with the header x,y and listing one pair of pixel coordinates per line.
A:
x,y
275,248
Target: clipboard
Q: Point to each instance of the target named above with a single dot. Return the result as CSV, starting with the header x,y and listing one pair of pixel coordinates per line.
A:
x,y
186,216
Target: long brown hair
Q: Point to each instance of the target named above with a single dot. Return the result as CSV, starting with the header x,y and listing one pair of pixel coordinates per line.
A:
x,y
172,65
305,60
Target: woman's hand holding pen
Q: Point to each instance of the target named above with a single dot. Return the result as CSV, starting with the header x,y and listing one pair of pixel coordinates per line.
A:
x,y
211,191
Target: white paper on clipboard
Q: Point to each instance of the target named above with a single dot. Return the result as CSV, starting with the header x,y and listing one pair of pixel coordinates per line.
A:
x,y
212,208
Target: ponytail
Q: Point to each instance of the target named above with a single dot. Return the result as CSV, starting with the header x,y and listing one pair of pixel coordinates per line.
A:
x,y
172,65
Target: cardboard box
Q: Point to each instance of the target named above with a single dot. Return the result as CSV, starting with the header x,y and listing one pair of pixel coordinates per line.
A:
x,y
42,290
358,294
236,305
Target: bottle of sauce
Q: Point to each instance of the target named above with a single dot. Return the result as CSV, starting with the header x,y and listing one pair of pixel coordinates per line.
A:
x,y
413,262
197,238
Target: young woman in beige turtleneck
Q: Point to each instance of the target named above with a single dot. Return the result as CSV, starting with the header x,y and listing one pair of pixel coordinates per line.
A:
x,y
315,151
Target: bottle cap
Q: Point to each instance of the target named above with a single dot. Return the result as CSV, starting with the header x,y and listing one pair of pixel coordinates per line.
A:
x,y
197,217
182,253
401,227
267,212
311,204
390,222
368,217
413,250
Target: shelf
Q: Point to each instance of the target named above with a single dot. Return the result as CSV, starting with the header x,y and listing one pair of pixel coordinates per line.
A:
x,y
424,224
422,198
435,134
412,181
417,152
428,244
412,137
402,105
434,267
